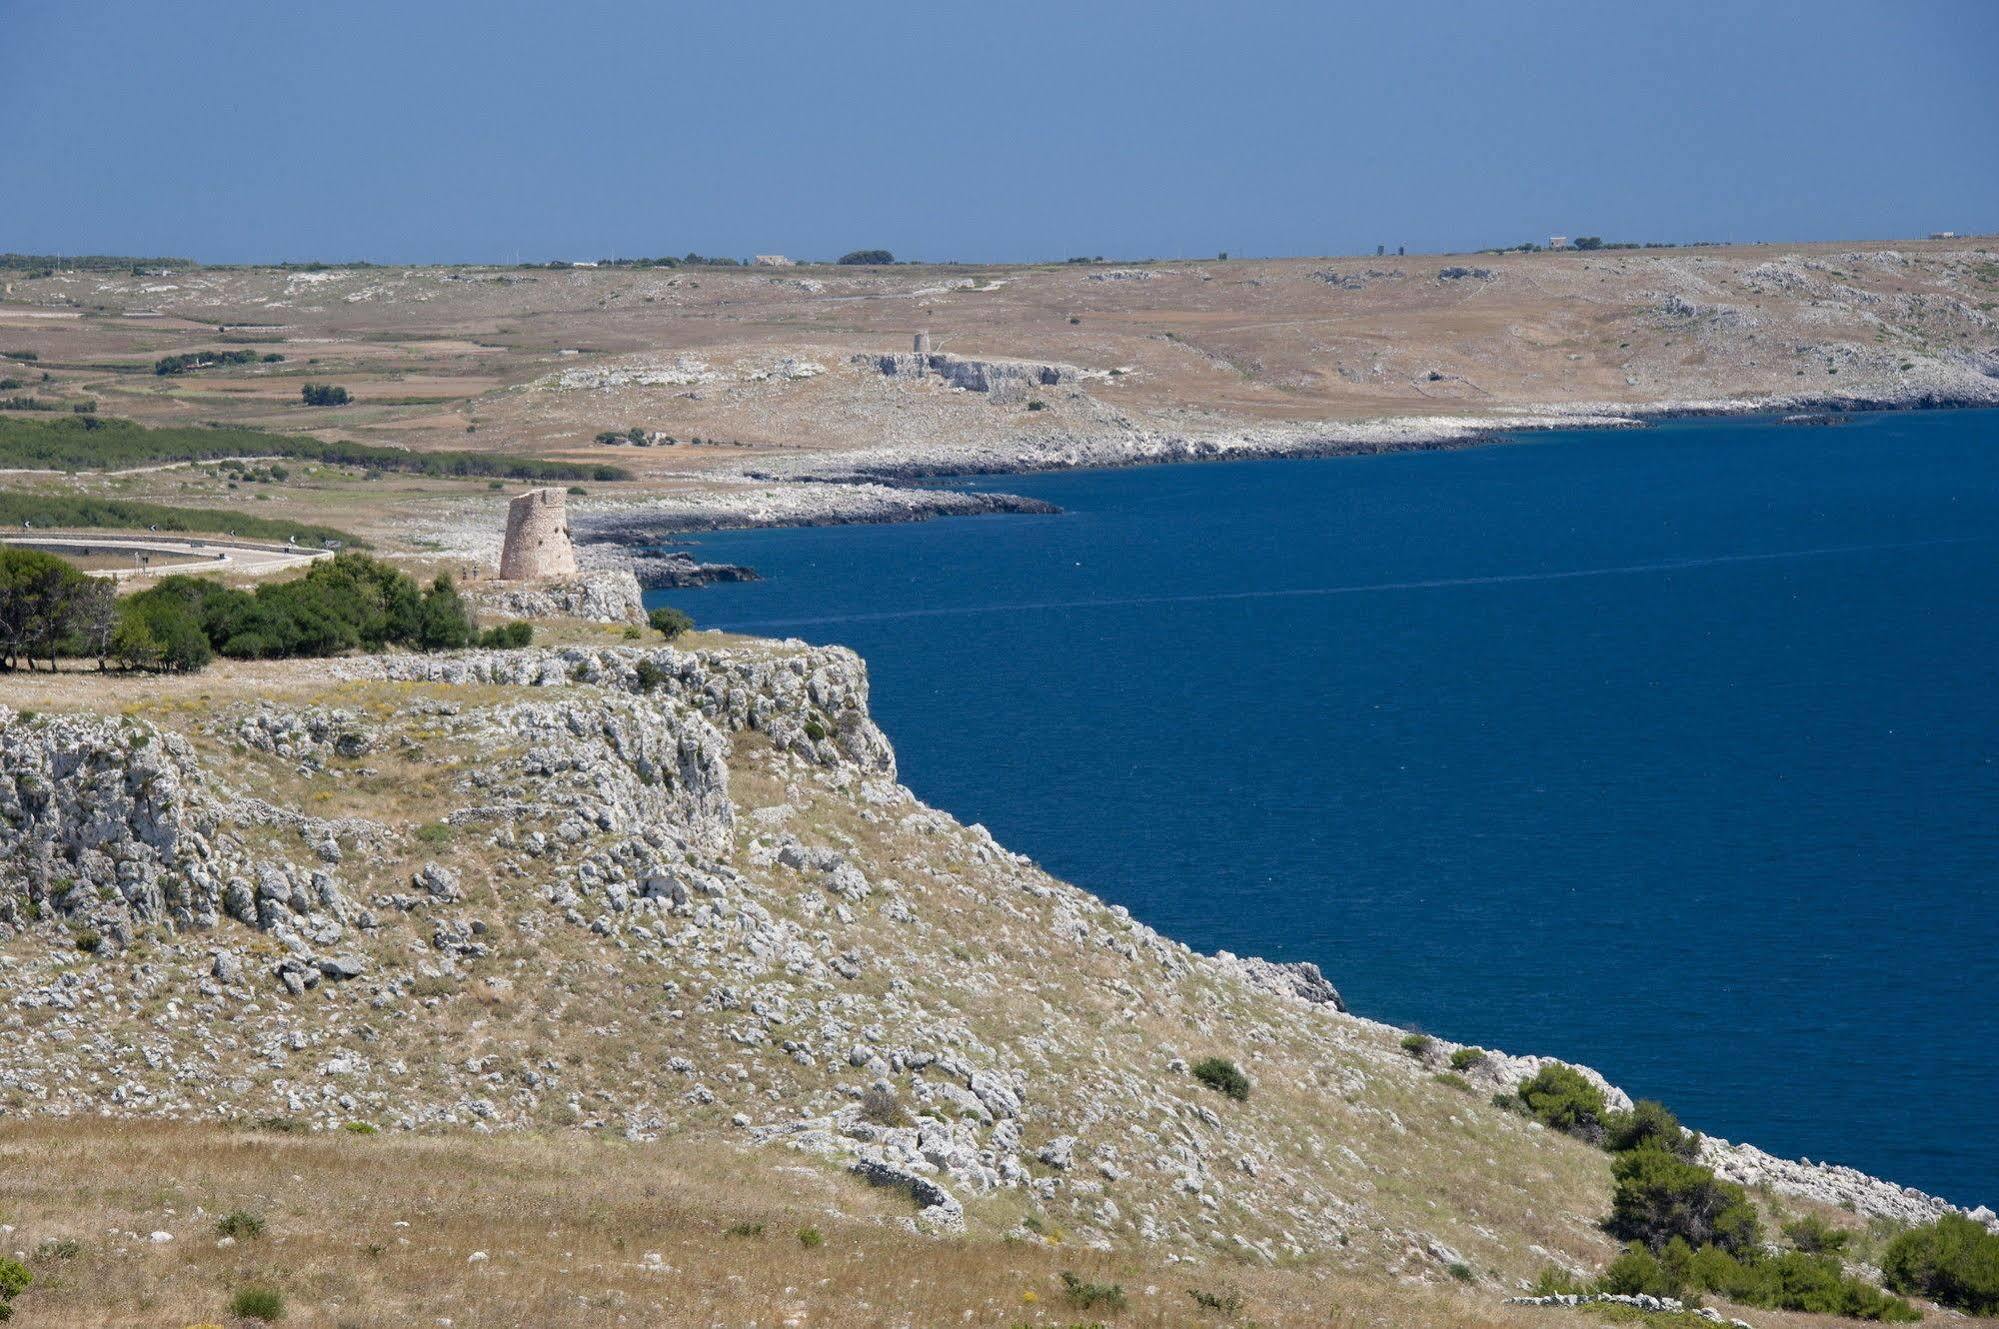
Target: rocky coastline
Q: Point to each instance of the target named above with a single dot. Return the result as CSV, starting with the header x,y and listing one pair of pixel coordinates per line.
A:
x,y
888,485
596,807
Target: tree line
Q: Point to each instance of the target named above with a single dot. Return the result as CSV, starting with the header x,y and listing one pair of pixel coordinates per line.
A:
x,y
108,444
49,610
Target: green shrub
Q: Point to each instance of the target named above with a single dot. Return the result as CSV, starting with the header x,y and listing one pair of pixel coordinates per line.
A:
x,y
360,1128
1227,1302
89,941
1088,1296
1223,1076
876,258
324,394
1455,1081
1649,1123
258,1301
1954,1261
240,1224
96,444
651,676
1561,1098
1553,1282
811,1238
1636,1270
14,1278
508,636
744,1230
1814,1236
1466,1058
1794,1281
345,603
1658,1196
669,622
1418,1045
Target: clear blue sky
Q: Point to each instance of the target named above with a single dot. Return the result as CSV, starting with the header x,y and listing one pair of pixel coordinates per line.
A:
x,y
434,130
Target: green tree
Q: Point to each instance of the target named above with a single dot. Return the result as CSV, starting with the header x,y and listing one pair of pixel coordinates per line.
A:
x,y
1658,1196
1954,1261
1562,1098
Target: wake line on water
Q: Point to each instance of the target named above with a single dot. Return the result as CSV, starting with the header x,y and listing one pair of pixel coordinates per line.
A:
x,y
1370,588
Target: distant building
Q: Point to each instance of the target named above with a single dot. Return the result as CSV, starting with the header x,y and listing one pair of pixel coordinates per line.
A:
x,y
1943,235
772,261
1558,242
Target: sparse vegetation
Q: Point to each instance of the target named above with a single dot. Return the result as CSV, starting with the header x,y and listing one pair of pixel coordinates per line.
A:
x,y
1418,1045
258,1301
1088,1296
240,1224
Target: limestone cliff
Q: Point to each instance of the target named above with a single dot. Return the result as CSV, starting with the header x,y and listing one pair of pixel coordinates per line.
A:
x,y
668,894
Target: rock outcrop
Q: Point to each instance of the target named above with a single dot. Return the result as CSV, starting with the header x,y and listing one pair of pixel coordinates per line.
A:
x,y
652,891
611,596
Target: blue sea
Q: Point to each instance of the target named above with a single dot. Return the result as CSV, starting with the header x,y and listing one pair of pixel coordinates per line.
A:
x,y
1674,750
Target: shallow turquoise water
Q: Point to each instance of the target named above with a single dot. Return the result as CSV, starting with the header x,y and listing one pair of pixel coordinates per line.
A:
x,y
1674,751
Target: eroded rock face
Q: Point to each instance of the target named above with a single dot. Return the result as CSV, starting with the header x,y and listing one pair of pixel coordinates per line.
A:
x,y
111,826
813,702
595,597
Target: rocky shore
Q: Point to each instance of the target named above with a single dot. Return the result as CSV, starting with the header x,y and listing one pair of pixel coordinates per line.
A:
x,y
696,877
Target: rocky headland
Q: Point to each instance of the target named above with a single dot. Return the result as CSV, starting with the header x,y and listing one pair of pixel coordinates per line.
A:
x,y
680,895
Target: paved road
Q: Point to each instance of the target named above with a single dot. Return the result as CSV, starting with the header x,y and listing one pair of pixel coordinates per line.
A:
x,y
179,553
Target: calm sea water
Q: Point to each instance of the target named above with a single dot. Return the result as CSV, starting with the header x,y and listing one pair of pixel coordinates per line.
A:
x,y
1674,751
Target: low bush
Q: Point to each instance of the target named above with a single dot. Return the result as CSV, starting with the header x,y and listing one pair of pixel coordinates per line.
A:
x,y
258,1301
811,1238
1658,1196
1814,1236
882,1108
508,636
1466,1058
669,622
1418,1045
14,1280
240,1224
1562,1098
1953,1261
744,1230
1794,1281
1223,1076
1085,1296
346,603
324,394
1649,1123
1226,1302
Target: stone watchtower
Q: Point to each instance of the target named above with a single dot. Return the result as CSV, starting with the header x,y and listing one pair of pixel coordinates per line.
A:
x,y
537,544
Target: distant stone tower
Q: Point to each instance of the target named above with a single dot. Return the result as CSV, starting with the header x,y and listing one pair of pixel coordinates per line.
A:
x,y
923,343
537,544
